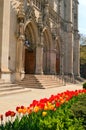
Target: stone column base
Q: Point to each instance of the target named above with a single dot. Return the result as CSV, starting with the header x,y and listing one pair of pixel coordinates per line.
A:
x,y
52,72
39,72
69,77
22,75
19,76
6,76
80,79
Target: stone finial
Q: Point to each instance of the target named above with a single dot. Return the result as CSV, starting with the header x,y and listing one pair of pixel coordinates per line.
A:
x,y
21,13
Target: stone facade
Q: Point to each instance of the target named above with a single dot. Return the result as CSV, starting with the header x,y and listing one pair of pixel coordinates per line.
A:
x,y
38,37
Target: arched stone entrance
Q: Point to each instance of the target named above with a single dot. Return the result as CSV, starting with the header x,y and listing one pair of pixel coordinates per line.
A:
x,y
30,50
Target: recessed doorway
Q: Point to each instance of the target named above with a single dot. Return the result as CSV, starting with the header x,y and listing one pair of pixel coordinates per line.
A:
x,y
30,61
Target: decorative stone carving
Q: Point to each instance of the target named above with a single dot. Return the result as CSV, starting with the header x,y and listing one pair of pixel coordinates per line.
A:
x,y
46,14
20,19
30,14
21,12
40,22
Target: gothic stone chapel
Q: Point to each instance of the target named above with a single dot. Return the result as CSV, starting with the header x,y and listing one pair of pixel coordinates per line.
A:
x,y
38,37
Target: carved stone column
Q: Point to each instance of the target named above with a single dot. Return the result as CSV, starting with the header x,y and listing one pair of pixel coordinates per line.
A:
x,y
39,56
5,58
61,47
69,34
77,56
20,59
53,56
20,44
76,47
53,61
39,48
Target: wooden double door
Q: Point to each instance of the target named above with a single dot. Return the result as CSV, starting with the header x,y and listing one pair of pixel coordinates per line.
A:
x,y
30,61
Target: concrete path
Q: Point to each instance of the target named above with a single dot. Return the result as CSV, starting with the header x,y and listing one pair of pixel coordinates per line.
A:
x,y
9,102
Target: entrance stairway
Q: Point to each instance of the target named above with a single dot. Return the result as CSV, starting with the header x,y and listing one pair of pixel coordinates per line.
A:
x,y
41,81
30,81
8,88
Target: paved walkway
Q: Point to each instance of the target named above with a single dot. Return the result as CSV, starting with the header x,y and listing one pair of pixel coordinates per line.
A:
x,y
9,102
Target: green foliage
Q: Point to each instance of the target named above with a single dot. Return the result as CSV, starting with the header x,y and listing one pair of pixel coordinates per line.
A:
x,y
84,85
83,61
83,54
82,39
62,118
79,109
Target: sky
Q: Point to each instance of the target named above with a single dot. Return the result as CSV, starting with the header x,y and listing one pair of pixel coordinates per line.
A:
x,y
82,16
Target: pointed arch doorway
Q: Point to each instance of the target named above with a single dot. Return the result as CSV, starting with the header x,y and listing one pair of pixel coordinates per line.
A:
x,y
30,50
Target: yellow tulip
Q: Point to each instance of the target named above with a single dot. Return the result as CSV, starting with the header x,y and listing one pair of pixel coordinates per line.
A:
x,y
51,107
20,110
36,109
29,111
24,111
45,107
44,113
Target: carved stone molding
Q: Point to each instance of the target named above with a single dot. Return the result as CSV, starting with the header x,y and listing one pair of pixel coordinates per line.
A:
x,y
21,12
30,13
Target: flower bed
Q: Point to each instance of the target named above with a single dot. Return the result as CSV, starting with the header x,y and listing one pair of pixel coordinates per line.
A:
x,y
52,113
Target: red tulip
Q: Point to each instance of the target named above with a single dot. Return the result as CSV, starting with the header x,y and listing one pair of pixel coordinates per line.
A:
x,y
17,108
57,104
22,107
12,114
8,113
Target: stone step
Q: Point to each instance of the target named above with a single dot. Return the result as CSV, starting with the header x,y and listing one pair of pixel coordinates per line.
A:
x,y
29,81
31,85
2,81
8,89
40,87
7,85
14,92
28,84
52,86
41,81
49,80
48,77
